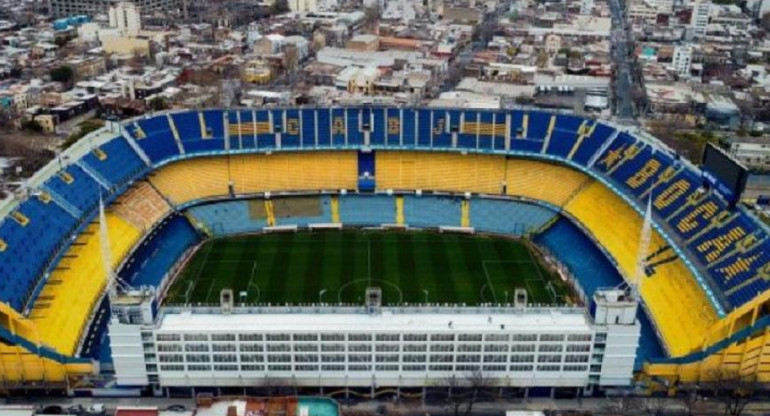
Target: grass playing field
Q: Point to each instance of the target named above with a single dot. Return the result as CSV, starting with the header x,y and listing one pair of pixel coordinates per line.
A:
x,y
337,266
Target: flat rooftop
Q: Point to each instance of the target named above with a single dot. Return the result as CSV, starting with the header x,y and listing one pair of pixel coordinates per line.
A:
x,y
552,319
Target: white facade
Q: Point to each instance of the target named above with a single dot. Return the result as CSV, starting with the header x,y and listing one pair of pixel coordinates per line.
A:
x,y
405,346
126,17
682,60
298,6
700,17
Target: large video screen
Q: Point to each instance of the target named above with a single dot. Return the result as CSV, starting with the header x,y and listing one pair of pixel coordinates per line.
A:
x,y
724,173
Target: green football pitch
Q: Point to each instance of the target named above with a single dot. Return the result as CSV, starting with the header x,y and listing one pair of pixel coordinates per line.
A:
x,y
338,266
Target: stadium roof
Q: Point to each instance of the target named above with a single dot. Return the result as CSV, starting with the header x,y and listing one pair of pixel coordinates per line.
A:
x,y
553,319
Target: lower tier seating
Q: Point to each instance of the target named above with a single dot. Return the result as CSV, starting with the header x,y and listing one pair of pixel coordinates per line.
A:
x,y
63,307
677,304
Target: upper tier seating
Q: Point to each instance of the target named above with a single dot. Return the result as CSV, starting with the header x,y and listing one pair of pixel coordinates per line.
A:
x,y
193,134
677,303
698,217
440,172
115,161
30,238
155,137
63,307
76,187
141,205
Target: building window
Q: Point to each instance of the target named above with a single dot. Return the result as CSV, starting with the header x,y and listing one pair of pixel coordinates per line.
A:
x,y
415,348
442,337
518,358
415,337
496,337
442,348
225,358
250,337
496,348
551,337
278,348
198,358
549,348
251,348
279,367
223,347
196,348
386,348
388,337
469,348
579,348
523,348
225,367
549,358
173,358
305,337
521,368
252,358
169,348
168,337
579,337
332,337
196,337
252,367
359,337
332,347
277,337
469,337
279,358
223,337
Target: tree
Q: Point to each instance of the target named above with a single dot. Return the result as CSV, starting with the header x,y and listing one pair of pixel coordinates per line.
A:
x,y
466,391
279,7
32,125
63,74
733,390
158,104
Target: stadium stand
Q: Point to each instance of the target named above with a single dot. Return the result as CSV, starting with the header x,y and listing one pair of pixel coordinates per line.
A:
x,y
302,210
542,181
141,205
154,137
678,306
432,211
192,134
192,180
585,261
508,217
440,172
294,172
231,217
76,187
728,246
31,237
367,210
159,251
61,311
115,161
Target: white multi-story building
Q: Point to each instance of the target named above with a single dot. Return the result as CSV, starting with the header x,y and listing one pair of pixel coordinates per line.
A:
x,y
682,60
699,20
377,347
126,17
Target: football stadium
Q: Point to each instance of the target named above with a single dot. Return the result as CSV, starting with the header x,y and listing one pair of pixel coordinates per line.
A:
x,y
376,248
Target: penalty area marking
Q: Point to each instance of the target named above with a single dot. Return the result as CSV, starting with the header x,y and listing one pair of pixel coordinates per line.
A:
x,y
369,281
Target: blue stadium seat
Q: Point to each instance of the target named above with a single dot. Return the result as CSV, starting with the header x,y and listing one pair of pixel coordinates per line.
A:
x,y
77,187
116,161
158,140
367,210
593,270
32,236
191,133
508,217
231,217
431,211
159,252
592,144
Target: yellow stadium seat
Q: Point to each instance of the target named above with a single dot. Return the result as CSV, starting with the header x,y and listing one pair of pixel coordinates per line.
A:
x,y
310,171
63,308
192,179
141,205
678,305
543,181
440,172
